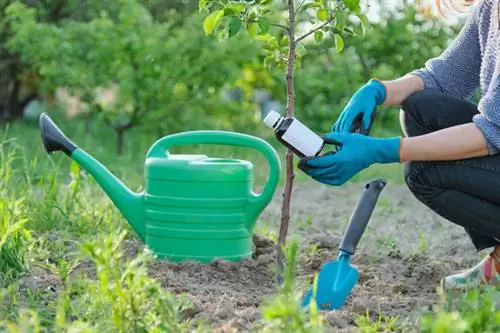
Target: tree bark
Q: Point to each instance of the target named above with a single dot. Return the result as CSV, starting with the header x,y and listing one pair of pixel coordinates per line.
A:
x,y
290,175
120,139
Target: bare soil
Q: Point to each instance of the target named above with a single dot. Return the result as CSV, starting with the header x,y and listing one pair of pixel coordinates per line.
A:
x,y
401,257
403,254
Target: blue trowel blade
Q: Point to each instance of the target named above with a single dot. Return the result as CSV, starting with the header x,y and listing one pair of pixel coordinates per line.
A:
x,y
336,280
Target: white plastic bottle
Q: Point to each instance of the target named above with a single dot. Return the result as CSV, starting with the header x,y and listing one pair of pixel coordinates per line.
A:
x,y
294,135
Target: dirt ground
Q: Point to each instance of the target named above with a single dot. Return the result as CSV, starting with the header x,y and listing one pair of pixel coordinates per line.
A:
x,y
401,257
403,253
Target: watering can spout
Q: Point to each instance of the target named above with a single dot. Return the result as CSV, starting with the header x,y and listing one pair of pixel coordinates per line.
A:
x,y
129,203
53,138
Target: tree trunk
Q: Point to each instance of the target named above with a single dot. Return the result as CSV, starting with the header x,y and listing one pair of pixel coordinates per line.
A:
x,y
120,138
11,107
290,175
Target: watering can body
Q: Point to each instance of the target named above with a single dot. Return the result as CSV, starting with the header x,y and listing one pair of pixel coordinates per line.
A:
x,y
199,207
193,207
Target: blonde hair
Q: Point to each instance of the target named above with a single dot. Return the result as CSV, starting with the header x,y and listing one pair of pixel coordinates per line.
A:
x,y
443,6
455,4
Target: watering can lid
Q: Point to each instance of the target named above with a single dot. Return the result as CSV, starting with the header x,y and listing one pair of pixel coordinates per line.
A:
x,y
194,167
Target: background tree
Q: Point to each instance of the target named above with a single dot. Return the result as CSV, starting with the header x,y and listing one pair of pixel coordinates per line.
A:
x,y
18,86
162,75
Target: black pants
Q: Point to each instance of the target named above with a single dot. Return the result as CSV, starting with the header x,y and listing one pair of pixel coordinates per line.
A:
x,y
465,192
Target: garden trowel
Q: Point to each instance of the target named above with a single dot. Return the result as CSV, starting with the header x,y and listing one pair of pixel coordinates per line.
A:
x,y
336,279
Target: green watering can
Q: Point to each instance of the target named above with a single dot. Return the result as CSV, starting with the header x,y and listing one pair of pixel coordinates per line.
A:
x,y
193,207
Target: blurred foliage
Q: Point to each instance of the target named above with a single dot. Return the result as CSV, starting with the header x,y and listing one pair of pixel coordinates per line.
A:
x,y
402,41
166,75
269,22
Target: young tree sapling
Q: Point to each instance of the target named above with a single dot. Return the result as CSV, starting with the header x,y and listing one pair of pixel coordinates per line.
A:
x,y
283,27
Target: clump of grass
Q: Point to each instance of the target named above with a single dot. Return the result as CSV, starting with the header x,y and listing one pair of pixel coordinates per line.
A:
x,y
14,238
367,324
122,297
474,311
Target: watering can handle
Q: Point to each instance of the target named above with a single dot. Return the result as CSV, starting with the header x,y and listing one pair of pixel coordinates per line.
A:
x,y
257,202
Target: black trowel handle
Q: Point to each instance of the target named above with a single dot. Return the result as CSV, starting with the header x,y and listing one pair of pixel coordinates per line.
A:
x,y
361,215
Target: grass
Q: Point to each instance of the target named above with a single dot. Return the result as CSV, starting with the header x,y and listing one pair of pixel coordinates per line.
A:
x,y
56,222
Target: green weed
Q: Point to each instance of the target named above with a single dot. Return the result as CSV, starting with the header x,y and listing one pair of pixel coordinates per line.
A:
x,y
367,324
472,311
14,238
282,312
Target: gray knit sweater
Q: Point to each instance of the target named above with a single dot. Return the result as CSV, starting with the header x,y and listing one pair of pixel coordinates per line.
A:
x,y
472,61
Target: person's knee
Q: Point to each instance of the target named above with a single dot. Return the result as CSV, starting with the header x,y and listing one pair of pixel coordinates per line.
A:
x,y
416,176
414,112
430,110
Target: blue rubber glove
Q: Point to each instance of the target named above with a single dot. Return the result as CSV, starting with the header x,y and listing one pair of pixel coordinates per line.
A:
x,y
359,112
355,152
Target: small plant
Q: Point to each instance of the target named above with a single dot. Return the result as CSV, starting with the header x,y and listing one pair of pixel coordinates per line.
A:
x,y
389,242
124,298
283,312
422,244
14,237
382,324
314,248
473,311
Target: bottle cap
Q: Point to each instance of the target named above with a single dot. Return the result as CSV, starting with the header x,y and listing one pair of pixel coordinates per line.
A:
x,y
271,118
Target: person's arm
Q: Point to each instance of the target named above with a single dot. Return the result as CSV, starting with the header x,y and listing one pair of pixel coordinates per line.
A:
x,y
453,143
455,71
399,89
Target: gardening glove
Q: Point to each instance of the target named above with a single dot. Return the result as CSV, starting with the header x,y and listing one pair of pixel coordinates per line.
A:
x,y
355,152
360,111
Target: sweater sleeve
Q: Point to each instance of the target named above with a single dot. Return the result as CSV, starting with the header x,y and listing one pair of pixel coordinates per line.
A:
x,y
456,71
488,120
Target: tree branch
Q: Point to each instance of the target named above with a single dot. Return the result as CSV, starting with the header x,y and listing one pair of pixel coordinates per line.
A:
x,y
314,30
279,26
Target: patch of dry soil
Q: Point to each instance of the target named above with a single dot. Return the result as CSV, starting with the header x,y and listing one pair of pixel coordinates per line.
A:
x,y
402,255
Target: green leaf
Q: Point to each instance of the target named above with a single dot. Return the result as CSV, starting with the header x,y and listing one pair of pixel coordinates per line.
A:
x,y
74,170
300,50
264,37
263,24
352,5
234,8
340,20
318,36
234,26
202,4
364,23
285,41
322,14
212,21
252,29
309,5
349,30
339,43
